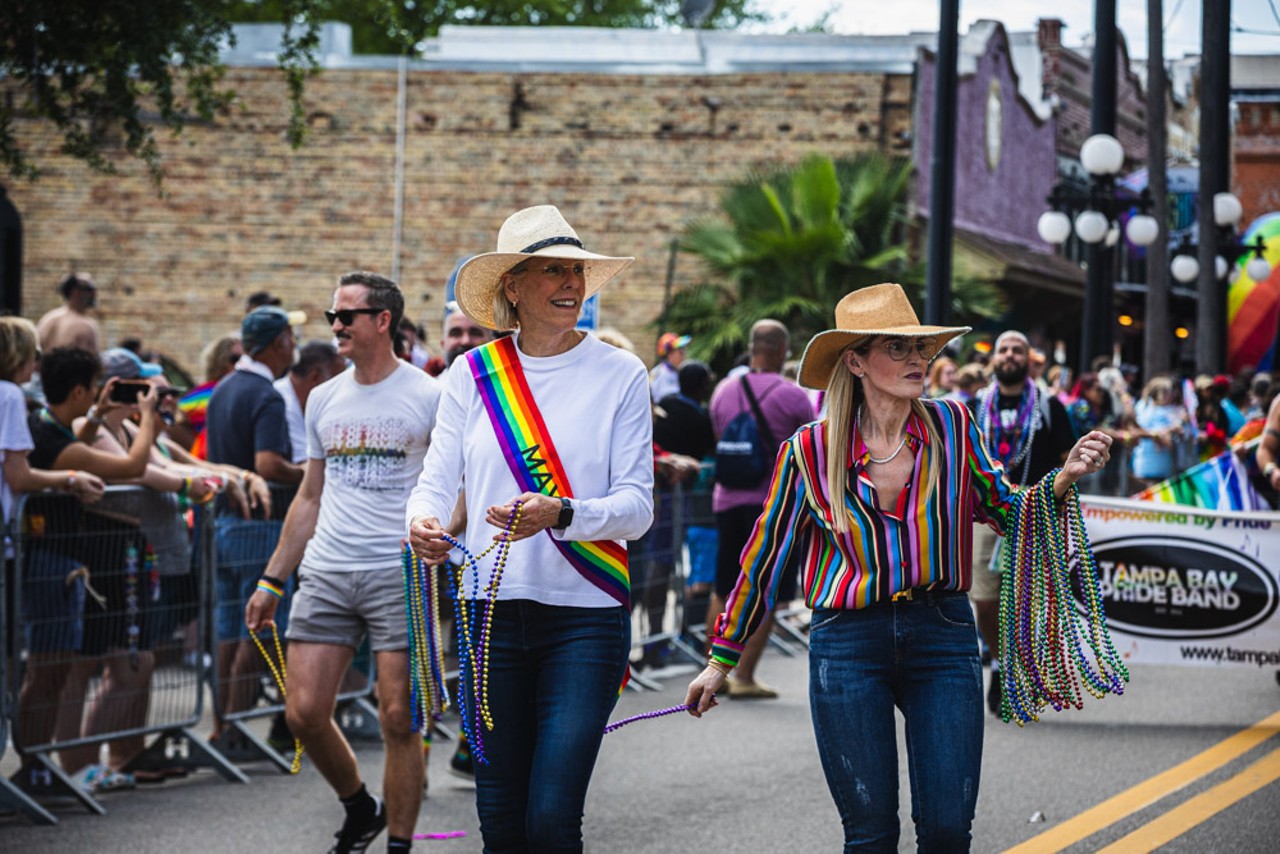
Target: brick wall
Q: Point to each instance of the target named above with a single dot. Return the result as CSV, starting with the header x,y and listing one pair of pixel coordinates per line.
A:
x,y
1256,178
629,159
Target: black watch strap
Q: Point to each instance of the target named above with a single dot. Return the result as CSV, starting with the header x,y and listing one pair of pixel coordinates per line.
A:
x,y
566,515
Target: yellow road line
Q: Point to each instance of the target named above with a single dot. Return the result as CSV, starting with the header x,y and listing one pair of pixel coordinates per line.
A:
x,y
1151,790
1201,808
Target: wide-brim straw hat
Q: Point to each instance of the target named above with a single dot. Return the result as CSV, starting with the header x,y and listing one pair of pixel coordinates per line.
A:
x,y
868,312
539,231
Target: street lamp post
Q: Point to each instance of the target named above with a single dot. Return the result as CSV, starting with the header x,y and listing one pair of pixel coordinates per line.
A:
x,y
1215,179
1227,246
1102,157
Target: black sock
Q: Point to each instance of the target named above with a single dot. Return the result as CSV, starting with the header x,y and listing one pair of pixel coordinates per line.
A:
x,y
361,806
396,843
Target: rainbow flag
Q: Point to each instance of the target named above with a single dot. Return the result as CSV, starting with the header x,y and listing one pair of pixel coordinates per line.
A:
x,y
194,405
1218,483
526,444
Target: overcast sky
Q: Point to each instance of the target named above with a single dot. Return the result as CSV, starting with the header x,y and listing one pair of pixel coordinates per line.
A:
x,y
1182,19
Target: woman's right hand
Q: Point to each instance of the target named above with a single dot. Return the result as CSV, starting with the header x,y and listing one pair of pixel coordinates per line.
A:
x,y
702,690
148,403
87,487
426,539
201,489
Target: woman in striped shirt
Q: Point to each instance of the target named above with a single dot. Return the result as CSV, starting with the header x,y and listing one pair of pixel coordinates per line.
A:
x,y
886,573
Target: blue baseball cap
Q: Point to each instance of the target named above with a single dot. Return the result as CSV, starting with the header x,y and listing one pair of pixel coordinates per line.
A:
x,y
126,364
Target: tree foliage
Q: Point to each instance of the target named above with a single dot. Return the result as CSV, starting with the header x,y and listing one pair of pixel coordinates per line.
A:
x,y
788,243
94,68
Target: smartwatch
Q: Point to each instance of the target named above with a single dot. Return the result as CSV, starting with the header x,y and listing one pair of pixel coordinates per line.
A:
x,y
566,515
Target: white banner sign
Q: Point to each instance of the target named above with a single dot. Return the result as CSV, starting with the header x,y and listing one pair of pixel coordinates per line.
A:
x,y
1182,585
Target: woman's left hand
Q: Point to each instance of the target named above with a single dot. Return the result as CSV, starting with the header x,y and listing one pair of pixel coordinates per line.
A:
x,y
1089,455
537,511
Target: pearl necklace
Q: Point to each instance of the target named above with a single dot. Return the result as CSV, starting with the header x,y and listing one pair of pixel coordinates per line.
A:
x,y
881,460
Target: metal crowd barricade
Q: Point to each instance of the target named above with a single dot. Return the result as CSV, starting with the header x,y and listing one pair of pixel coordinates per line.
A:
x,y
1117,479
10,794
658,571
790,635
102,595
242,683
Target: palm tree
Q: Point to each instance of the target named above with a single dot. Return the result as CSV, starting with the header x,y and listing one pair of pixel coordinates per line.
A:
x,y
790,242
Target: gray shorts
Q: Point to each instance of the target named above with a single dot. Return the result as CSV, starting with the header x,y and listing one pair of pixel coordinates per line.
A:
x,y
340,607
986,584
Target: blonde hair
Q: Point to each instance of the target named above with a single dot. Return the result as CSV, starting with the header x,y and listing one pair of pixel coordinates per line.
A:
x,y
1159,389
611,336
18,345
504,313
935,374
217,357
844,398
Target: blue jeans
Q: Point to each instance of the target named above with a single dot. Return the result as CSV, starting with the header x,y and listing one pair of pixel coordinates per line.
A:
x,y
554,674
922,657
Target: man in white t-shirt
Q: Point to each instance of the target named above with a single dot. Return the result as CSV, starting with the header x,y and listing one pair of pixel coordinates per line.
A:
x,y
367,432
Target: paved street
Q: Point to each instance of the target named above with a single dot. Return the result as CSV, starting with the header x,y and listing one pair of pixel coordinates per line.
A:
x,y
746,778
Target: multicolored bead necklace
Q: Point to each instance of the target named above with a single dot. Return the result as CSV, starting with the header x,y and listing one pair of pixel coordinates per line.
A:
x,y
1010,442
428,692
474,621
1041,651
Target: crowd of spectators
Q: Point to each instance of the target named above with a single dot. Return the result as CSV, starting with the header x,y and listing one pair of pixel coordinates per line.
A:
x,y
75,417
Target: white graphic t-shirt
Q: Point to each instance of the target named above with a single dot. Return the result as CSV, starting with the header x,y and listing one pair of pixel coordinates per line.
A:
x,y
372,439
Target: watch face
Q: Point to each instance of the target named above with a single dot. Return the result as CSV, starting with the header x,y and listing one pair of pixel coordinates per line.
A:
x,y
993,125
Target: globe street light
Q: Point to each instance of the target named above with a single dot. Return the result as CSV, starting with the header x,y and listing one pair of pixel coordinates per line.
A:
x,y
1102,156
1227,211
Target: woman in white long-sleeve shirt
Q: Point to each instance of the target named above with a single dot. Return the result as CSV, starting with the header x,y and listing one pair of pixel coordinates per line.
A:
x,y
559,422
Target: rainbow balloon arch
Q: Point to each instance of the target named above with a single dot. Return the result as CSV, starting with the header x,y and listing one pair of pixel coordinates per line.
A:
x,y
1253,308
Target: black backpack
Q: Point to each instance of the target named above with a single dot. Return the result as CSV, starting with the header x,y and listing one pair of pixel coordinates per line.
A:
x,y
745,451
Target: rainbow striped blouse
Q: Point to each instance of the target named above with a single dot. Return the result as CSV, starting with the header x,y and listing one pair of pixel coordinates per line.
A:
x,y
925,541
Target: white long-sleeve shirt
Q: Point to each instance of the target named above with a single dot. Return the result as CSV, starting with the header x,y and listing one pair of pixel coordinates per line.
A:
x,y
594,400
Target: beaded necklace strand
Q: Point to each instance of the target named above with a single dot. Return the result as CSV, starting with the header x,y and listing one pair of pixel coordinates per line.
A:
x,y
132,611
280,673
474,621
428,692
1043,660
1022,431
474,624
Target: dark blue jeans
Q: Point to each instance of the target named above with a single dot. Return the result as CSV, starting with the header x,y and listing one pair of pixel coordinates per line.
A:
x,y
920,656
554,674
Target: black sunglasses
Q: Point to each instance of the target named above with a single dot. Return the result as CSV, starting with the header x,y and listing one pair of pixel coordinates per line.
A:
x,y
347,316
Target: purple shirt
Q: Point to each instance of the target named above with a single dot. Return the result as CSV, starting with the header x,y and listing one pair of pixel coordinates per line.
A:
x,y
786,409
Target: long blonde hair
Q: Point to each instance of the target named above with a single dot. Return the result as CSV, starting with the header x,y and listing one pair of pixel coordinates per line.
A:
x,y
844,397
18,345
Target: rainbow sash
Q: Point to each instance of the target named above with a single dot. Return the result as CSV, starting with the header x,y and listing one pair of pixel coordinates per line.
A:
x,y
530,454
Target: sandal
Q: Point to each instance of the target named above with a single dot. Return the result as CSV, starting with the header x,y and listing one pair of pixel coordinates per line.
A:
x,y
99,778
750,691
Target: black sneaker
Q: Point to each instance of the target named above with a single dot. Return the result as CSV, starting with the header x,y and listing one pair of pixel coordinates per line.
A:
x,y
993,694
40,784
355,837
461,764
280,738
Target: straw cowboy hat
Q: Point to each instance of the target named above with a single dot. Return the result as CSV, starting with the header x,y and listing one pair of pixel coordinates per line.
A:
x,y
533,232
870,311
